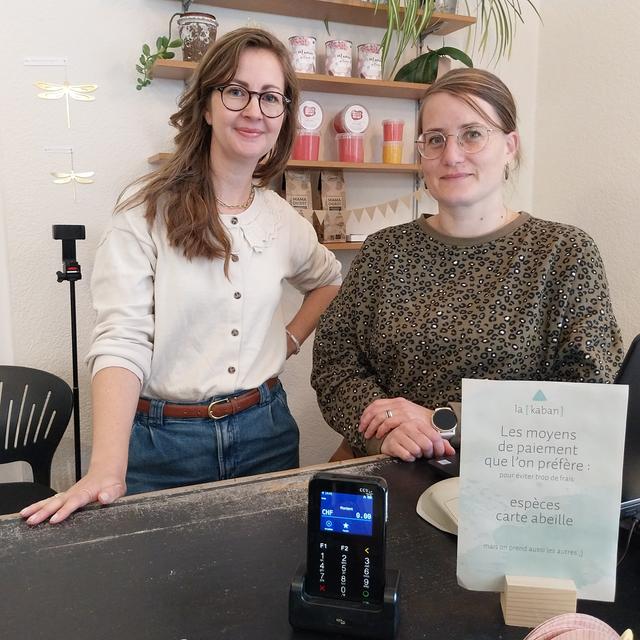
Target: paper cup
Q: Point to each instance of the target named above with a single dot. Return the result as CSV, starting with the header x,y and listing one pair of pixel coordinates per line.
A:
x,y
350,147
354,118
338,60
392,152
303,53
306,146
309,115
392,130
370,61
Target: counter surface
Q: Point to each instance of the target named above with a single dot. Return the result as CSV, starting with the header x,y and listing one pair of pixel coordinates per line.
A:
x,y
215,561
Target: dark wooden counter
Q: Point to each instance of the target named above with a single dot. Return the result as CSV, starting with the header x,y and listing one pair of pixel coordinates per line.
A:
x,y
215,561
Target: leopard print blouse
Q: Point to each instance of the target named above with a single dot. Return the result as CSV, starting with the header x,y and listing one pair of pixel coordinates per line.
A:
x,y
420,310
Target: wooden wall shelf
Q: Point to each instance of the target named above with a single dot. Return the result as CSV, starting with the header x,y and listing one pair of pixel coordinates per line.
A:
x,y
367,167
373,167
182,70
343,246
345,11
173,69
356,12
158,158
361,86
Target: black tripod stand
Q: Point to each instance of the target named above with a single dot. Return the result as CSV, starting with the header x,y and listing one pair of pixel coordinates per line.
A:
x,y
71,272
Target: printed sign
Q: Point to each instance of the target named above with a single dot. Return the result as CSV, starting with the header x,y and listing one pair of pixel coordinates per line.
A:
x,y
540,483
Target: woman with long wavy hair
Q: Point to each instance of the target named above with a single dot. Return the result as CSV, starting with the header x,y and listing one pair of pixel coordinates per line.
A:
x,y
187,285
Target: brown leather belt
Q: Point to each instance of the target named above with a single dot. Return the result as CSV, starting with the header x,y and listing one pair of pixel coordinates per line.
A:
x,y
215,410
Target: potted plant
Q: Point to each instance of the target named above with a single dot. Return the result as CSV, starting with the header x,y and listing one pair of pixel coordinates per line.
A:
x,y
425,67
407,21
197,32
148,59
404,25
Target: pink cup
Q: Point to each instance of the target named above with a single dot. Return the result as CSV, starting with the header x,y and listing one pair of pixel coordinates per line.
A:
x,y
350,147
306,146
392,130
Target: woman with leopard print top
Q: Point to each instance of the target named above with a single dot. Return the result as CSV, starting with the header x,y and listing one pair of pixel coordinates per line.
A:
x,y
477,291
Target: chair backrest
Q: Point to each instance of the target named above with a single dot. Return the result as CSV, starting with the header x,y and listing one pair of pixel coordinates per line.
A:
x,y
35,407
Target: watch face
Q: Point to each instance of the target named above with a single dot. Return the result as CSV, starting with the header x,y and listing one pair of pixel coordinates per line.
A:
x,y
444,420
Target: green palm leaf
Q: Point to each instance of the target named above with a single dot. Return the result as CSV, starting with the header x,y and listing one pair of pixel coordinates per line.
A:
x,y
497,18
424,68
496,22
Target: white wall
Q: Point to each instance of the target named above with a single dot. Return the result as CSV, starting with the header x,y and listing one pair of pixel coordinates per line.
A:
x,y
588,138
14,471
519,72
6,333
114,135
111,136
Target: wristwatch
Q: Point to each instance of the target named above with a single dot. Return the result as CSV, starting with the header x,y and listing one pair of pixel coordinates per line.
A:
x,y
444,421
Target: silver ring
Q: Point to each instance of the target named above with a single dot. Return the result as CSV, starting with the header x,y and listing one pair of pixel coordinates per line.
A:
x,y
389,414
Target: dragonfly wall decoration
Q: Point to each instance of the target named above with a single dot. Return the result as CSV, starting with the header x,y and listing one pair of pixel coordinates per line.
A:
x,y
73,177
53,91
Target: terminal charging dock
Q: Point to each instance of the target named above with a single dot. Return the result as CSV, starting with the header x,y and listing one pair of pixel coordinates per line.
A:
x,y
344,617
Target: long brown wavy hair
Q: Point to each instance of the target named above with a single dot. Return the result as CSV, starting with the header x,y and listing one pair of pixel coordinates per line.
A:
x,y
183,186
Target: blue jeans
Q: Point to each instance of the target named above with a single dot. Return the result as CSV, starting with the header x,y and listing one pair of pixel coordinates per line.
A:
x,y
172,452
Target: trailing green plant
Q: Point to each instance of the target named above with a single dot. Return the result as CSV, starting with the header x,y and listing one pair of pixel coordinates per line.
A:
x,y
407,22
405,25
163,44
147,59
424,68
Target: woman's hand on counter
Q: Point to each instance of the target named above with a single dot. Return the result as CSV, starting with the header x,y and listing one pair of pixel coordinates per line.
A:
x,y
94,487
405,428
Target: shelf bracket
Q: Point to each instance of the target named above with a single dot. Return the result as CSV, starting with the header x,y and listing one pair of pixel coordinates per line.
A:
x,y
432,28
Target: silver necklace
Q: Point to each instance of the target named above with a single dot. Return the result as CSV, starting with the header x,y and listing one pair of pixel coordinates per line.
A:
x,y
242,205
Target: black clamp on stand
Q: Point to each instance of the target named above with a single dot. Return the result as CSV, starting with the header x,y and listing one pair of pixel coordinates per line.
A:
x,y
70,273
339,616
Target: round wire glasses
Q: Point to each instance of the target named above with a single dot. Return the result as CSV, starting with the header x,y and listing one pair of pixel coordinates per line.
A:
x,y
431,144
236,98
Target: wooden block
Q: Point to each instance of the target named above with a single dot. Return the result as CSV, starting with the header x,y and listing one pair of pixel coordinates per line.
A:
x,y
528,601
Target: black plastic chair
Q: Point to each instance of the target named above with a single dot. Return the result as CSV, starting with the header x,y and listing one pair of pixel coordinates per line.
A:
x,y
35,407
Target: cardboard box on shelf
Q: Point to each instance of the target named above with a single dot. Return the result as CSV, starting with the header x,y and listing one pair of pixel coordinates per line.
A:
x,y
334,227
298,189
332,190
330,226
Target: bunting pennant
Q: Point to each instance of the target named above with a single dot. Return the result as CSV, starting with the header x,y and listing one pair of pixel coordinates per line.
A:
x,y
407,201
385,209
307,214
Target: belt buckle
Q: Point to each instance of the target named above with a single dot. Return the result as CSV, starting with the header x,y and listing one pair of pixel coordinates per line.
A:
x,y
210,408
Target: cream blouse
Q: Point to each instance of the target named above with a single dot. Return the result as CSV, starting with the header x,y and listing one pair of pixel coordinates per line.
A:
x,y
181,326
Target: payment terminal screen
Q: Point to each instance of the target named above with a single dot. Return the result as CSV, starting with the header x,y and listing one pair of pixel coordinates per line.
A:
x,y
346,513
